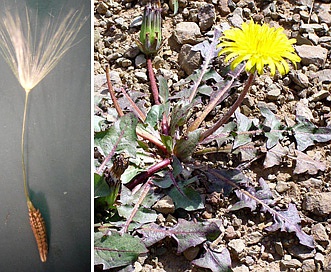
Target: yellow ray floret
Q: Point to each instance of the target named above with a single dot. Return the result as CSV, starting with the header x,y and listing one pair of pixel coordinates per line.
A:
x,y
259,46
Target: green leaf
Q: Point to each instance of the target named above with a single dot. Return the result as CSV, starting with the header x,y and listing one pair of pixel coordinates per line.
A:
x,y
185,146
154,115
124,130
130,173
306,133
175,7
168,142
98,123
271,122
144,214
190,201
179,115
105,195
244,124
101,188
205,90
163,88
115,250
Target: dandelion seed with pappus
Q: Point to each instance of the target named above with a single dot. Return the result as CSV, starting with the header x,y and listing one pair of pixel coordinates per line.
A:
x,y
32,52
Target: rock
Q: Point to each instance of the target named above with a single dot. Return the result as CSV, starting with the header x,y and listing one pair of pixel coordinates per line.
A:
x,y
137,21
102,8
115,78
273,92
141,76
123,62
240,268
224,8
165,205
132,52
254,238
301,252
311,28
302,109
299,78
279,248
324,76
230,233
237,19
319,258
318,203
206,16
312,54
237,246
140,61
282,186
319,95
188,59
187,32
319,233
323,13
308,266
312,183
293,263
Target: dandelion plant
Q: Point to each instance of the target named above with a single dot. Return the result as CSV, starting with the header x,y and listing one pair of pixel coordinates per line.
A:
x,y
32,48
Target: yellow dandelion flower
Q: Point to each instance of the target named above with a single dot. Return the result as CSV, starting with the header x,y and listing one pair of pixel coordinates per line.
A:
x,y
259,46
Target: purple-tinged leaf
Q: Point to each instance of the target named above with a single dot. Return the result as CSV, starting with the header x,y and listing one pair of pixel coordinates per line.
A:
x,y
208,52
221,135
186,233
219,180
216,261
274,156
288,220
263,195
307,164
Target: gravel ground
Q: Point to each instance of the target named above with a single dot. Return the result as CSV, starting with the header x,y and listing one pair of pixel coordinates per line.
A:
x,y
305,90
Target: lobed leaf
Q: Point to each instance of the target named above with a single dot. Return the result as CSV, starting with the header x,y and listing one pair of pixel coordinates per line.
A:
x,y
216,261
272,123
185,233
274,156
115,250
288,220
306,133
307,164
124,128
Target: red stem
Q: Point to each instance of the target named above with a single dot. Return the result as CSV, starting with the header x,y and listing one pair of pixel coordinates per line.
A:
x,y
233,108
155,91
149,172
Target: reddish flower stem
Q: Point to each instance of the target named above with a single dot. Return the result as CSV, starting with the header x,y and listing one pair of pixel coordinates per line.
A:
x,y
233,108
112,93
155,93
148,173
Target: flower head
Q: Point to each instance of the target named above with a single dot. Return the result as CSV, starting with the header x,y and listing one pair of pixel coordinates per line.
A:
x,y
151,34
259,46
33,48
